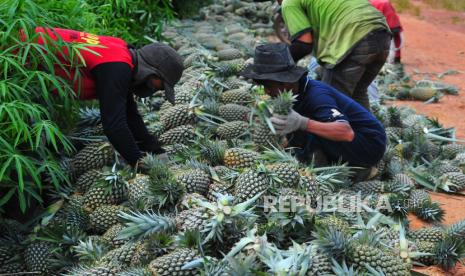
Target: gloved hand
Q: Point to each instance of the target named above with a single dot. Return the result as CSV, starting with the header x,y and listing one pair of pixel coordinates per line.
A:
x,y
285,124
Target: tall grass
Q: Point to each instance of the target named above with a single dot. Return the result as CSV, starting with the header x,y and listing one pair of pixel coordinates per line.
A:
x,y
452,5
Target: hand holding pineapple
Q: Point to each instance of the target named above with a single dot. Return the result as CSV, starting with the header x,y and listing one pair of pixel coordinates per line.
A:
x,y
285,124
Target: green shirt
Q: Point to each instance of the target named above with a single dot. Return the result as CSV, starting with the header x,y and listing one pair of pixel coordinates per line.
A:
x,y
336,25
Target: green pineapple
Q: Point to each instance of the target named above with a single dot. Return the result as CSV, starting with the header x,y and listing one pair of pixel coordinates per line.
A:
x,y
234,112
450,151
386,262
164,107
191,59
263,137
370,187
282,104
454,180
251,183
443,168
104,217
12,268
138,188
110,191
229,54
110,236
234,83
150,249
176,116
287,174
426,247
239,158
320,264
95,155
394,133
120,257
432,234
184,96
333,222
88,179
404,179
195,181
181,134
37,257
223,188
418,197
232,130
230,67
236,96
172,263
394,117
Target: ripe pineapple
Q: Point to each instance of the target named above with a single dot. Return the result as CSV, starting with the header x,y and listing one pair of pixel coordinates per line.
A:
x,y
176,116
37,256
120,257
104,217
233,112
320,264
432,234
183,97
386,262
239,158
232,130
229,54
370,187
333,222
394,133
178,135
172,263
138,188
195,181
287,174
95,155
450,151
403,179
263,137
236,96
88,179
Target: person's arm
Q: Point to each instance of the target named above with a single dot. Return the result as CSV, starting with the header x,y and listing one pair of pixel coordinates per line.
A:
x,y
112,84
339,131
299,28
145,140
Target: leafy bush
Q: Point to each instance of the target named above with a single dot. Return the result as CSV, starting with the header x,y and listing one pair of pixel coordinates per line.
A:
x,y
29,134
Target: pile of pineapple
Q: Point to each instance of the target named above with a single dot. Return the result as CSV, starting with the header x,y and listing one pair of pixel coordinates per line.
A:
x,y
208,209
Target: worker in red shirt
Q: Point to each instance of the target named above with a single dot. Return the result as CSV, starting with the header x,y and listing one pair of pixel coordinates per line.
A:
x,y
394,24
113,73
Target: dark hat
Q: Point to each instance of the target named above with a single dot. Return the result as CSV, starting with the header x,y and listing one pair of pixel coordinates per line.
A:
x,y
161,60
273,62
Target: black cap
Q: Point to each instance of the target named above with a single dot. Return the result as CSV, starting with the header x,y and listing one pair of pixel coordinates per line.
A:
x,y
273,62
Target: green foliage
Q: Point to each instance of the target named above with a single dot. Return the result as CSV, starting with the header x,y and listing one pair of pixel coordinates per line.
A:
x,y
30,135
189,8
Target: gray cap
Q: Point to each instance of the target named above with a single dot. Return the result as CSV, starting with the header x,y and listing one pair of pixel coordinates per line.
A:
x,y
161,60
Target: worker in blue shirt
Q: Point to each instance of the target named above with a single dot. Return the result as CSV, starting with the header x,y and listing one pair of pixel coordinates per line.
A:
x,y
322,119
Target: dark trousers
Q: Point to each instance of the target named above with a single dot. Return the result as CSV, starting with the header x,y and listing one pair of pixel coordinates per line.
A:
x,y
354,74
363,151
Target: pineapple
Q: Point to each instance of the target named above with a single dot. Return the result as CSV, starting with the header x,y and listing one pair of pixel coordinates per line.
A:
x,y
311,188
12,268
239,158
394,133
432,234
229,54
443,168
234,83
120,257
234,112
138,188
232,130
111,191
333,222
386,262
151,248
320,264
218,188
37,256
282,104
454,180
172,263
95,155
287,174
426,247
394,117
370,187
263,137
418,197
164,107
450,151
403,179
236,96
181,134
251,183
230,67
104,217
184,96
176,116
89,117
195,181
88,179
110,236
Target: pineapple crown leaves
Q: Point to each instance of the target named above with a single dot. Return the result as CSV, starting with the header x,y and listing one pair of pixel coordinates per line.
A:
x,y
88,251
332,241
140,225
273,155
429,211
457,230
341,269
282,104
189,239
448,252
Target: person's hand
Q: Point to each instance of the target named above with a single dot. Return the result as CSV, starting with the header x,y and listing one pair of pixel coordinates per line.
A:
x,y
285,124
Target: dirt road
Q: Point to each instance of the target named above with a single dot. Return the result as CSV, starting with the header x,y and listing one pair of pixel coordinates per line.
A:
x,y
435,45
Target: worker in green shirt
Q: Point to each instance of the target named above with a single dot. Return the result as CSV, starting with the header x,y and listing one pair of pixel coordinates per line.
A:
x,y
349,38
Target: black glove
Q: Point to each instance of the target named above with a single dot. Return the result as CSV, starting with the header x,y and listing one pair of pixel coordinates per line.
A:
x,y
153,146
